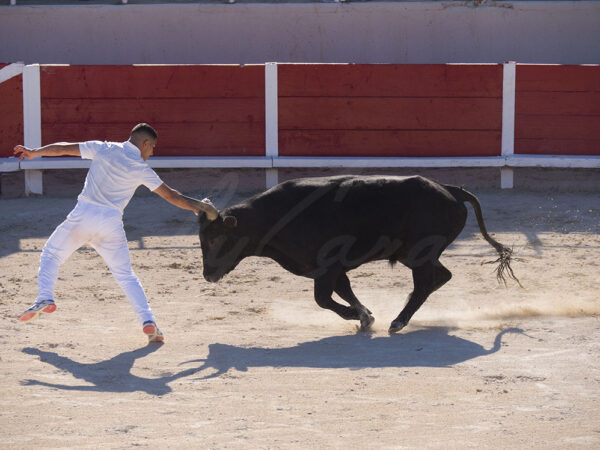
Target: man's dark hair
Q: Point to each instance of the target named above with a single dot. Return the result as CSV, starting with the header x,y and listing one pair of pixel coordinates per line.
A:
x,y
144,128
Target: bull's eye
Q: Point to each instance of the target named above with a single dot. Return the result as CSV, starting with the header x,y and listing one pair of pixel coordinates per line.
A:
x,y
215,242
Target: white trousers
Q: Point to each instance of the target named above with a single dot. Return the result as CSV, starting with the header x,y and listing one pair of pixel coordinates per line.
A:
x,y
102,228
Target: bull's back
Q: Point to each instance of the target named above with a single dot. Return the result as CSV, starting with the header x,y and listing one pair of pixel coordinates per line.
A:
x,y
409,208
361,212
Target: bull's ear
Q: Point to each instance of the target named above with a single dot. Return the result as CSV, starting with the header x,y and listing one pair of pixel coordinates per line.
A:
x,y
230,221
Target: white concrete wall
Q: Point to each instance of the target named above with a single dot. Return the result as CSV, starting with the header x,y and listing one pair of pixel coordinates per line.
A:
x,y
413,32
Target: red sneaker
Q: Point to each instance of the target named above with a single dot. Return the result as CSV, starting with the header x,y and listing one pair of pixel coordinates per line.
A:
x,y
42,306
151,330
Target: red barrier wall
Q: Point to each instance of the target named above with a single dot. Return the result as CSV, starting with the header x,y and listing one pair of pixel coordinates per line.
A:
x,y
11,114
197,110
390,110
557,110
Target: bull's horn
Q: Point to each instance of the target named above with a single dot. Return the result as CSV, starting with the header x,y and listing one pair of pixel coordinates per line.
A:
x,y
207,207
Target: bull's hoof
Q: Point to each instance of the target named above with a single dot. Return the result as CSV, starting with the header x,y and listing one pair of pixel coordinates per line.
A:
x,y
396,326
366,320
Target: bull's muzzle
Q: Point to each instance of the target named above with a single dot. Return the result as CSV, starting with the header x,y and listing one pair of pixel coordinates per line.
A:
x,y
212,277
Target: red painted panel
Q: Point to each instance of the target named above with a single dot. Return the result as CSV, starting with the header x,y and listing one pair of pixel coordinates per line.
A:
x,y
389,80
557,110
385,113
163,110
174,139
389,143
557,146
546,78
152,81
390,110
11,114
197,110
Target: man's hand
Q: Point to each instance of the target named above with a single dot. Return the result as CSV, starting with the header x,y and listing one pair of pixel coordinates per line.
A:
x,y
21,152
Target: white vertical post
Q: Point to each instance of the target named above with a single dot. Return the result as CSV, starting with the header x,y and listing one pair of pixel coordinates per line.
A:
x,y
32,123
508,121
507,180
271,121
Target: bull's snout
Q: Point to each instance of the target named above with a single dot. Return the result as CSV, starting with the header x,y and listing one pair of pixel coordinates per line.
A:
x,y
212,277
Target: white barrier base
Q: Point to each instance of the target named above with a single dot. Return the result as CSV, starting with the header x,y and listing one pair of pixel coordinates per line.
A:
x,y
507,180
271,178
33,182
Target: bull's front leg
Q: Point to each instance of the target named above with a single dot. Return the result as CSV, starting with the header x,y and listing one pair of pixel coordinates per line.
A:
x,y
324,287
344,290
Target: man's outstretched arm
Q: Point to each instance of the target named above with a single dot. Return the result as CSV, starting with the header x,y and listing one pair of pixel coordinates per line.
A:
x,y
178,199
57,149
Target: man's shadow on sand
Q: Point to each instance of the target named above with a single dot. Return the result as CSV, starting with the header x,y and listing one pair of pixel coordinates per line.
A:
x,y
430,347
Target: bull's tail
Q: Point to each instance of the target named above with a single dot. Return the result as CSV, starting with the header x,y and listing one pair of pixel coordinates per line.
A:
x,y
504,269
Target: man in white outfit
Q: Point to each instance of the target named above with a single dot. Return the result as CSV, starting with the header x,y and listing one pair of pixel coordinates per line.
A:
x,y
116,171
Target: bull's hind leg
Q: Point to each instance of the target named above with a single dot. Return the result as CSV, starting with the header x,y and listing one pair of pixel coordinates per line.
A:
x,y
344,290
427,278
324,287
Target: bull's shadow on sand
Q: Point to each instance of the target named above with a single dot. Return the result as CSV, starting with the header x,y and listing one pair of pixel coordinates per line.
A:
x,y
429,347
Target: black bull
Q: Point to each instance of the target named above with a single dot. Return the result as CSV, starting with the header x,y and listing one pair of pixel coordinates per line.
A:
x,y
321,228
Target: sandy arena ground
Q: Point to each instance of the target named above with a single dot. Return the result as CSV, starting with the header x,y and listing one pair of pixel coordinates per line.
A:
x,y
252,362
